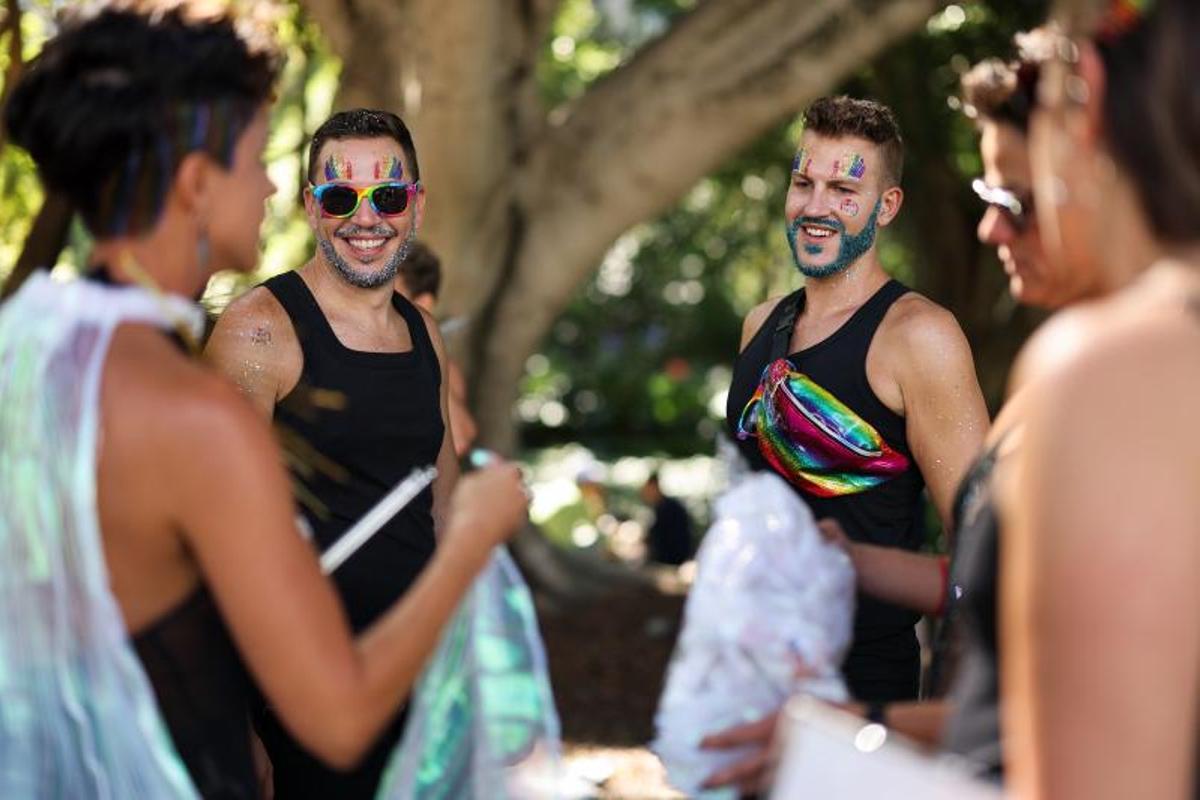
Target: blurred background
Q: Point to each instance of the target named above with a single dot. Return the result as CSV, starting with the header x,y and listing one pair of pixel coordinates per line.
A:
x,y
605,186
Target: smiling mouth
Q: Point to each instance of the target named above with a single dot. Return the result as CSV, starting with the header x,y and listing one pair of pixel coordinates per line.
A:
x,y
365,247
817,231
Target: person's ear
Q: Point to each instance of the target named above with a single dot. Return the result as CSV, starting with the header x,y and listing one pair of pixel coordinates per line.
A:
x,y
889,205
193,186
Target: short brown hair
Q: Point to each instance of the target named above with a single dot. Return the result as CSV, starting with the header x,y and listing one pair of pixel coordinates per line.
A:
x,y
421,271
1006,92
849,116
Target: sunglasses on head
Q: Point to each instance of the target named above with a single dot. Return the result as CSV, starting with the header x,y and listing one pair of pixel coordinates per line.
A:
x,y
388,199
1017,210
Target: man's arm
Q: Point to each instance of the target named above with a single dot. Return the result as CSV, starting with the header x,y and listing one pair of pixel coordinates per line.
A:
x,y
255,346
914,580
945,416
447,460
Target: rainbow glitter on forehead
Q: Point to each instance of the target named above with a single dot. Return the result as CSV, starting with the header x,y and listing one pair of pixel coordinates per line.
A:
x,y
802,162
850,165
390,168
813,439
338,168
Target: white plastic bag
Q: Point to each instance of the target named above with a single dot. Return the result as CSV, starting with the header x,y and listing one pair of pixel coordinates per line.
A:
x,y
771,614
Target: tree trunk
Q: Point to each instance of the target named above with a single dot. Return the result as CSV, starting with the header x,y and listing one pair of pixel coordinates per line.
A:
x,y
523,201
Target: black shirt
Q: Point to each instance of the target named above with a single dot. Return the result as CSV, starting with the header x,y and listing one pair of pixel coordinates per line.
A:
x,y
387,422
874,501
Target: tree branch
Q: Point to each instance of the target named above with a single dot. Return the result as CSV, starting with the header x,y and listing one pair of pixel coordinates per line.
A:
x,y
722,76
639,139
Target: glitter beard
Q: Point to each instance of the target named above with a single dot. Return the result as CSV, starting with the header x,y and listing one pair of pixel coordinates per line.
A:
x,y
851,249
368,280
813,439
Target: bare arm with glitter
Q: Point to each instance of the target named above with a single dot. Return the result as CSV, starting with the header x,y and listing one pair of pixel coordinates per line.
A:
x,y
255,346
928,376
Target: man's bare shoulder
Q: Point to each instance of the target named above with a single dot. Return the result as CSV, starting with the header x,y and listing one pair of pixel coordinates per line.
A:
x,y
919,330
756,317
256,317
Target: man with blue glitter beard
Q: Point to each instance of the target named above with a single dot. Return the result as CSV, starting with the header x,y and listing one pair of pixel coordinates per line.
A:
x,y
854,389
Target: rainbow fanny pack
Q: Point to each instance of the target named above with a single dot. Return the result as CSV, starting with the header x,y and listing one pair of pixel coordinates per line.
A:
x,y
813,439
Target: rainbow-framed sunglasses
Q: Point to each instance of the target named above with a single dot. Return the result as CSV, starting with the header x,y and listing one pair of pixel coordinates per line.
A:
x,y
389,199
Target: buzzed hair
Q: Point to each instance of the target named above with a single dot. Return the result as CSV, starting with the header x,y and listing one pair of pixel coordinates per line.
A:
x,y
363,123
839,116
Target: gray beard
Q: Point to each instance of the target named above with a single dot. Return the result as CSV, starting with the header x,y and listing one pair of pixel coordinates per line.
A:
x,y
371,280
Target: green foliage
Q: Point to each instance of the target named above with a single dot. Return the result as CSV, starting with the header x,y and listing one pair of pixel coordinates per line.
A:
x,y
305,97
640,361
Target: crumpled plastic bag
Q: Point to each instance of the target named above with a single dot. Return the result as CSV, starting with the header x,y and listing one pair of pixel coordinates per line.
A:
x,y
771,613
482,723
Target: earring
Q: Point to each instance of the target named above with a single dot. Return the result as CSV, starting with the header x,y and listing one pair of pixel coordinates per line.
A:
x,y
203,251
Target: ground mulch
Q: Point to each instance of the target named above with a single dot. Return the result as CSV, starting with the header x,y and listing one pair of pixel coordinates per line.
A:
x,y
608,657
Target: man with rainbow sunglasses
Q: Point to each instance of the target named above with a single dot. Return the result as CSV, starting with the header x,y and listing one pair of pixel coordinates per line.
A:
x,y
351,372
858,392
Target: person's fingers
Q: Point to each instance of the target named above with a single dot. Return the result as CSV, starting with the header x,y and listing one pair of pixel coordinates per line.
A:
x,y
738,735
830,529
747,773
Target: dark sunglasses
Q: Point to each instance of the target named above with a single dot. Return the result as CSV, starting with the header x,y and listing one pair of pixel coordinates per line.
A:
x,y
389,199
1017,209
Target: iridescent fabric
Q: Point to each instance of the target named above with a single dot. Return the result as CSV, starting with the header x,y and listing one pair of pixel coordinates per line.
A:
x,y
77,714
812,438
482,724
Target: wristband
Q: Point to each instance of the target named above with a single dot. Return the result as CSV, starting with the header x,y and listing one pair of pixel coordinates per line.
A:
x,y
876,713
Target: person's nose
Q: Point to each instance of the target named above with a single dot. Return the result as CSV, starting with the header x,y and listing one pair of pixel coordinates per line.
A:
x,y
994,228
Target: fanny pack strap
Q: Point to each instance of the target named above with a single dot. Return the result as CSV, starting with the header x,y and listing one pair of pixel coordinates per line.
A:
x,y
781,337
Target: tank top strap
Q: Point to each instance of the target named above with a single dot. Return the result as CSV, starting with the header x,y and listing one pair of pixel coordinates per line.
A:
x,y
860,330
418,332
782,321
307,318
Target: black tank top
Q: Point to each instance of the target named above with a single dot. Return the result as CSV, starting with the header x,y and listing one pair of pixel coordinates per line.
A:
x,y
390,422
972,641
203,693
875,492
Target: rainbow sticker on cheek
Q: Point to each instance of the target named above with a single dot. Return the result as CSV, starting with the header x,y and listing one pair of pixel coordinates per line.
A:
x,y
802,162
850,165
849,207
390,169
338,168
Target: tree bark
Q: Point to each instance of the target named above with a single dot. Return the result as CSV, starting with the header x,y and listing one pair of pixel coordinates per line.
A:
x,y
523,201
